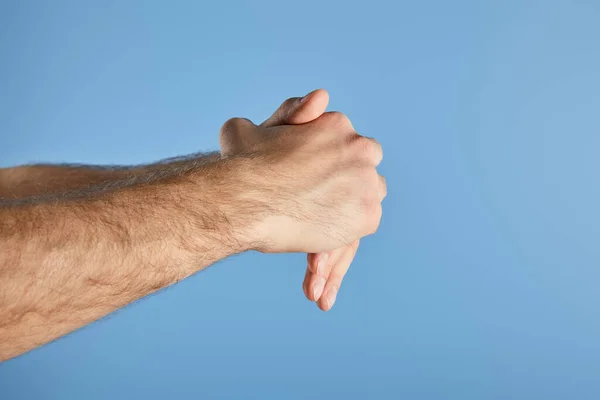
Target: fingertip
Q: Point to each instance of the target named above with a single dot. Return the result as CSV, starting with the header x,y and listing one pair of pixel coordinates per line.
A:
x,y
323,94
318,287
310,107
323,305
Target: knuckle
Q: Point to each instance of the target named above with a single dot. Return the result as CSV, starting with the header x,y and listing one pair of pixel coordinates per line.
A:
x,y
383,187
370,178
367,149
369,184
232,137
286,108
232,125
377,151
362,146
338,118
289,103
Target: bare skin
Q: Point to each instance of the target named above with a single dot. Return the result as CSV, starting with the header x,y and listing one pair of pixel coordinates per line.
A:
x,y
72,254
325,270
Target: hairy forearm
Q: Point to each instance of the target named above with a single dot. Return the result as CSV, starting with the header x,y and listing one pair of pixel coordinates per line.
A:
x,y
69,260
35,180
43,179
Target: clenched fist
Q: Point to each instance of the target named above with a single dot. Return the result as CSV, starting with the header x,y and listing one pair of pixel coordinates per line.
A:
x,y
316,183
325,270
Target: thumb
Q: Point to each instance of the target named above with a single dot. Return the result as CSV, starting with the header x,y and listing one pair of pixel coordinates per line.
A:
x,y
295,110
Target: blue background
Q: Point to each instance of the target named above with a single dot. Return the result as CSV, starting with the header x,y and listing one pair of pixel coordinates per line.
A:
x,y
483,279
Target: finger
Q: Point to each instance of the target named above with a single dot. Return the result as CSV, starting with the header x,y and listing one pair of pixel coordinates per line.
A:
x,y
298,110
336,275
318,268
310,266
305,283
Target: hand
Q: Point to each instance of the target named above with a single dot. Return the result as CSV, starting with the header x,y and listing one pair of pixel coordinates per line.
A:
x,y
325,270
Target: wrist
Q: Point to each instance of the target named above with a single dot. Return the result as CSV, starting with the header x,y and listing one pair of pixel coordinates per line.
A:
x,y
245,202
251,196
223,206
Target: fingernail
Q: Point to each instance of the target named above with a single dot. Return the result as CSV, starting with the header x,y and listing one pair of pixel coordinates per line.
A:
x,y
330,297
322,263
302,100
318,287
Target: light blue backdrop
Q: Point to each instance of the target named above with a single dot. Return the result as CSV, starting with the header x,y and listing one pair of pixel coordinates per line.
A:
x,y
482,282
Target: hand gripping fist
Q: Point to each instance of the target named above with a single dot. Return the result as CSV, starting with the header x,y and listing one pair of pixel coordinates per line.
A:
x,y
317,178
